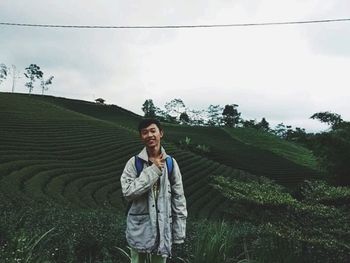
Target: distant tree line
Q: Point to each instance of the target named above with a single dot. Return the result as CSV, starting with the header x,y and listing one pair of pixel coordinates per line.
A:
x,y
33,73
176,111
331,147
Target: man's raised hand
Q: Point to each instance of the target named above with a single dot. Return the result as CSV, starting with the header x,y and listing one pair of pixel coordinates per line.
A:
x,y
159,161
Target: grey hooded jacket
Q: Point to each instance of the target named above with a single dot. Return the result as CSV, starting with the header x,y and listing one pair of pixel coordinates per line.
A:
x,y
153,226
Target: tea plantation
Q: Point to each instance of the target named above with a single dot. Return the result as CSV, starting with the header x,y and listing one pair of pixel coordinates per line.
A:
x,y
52,152
60,165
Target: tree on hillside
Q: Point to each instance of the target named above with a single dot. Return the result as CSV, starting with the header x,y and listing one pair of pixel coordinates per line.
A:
x,y
184,118
45,83
333,147
329,118
231,116
263,125
286,132
197,117
32,73
149,109
3,72
214,115
15,75
296,135
249,123
333,150
161,114
281,130
175,107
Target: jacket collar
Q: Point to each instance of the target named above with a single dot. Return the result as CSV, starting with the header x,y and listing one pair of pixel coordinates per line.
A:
x,y
144,155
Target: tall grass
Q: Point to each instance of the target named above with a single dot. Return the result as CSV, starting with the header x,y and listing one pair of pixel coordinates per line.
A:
x,y
22,247
222,242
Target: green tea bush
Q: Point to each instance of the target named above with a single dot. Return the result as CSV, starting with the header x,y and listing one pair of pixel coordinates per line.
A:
x,y
317,232
254,192
65,234
321,192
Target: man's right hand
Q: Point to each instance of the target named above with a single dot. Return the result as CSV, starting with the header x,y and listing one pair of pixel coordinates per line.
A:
x,y
159,161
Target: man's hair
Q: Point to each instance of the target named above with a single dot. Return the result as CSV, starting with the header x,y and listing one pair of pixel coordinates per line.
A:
x,y
144,123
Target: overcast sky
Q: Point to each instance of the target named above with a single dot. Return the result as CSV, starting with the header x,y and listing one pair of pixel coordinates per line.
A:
x,y
283,73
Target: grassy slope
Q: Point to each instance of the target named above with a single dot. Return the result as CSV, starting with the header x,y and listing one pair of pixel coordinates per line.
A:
x,y
110,113
242,149
50,152
47,149
55,147
270,142
240,155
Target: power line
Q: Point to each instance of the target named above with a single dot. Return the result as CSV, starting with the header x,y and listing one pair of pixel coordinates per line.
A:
x,y
175,26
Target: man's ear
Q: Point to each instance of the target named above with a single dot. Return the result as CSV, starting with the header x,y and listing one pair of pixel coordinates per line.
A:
x,y
161,133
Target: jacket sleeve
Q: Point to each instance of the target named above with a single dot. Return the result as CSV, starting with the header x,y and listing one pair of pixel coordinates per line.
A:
x,y
133,186
178,206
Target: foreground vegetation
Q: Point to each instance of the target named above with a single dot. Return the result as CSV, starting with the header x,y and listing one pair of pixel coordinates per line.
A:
x,y
262,223
313,224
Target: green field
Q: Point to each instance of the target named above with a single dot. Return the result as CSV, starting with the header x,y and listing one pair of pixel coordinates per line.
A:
x,y
258,153
53,147
270,142
251,157
50,151
61,161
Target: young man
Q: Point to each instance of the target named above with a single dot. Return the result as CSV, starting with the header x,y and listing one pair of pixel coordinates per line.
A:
x,y
157,216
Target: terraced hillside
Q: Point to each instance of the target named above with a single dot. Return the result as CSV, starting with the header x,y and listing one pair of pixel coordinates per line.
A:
x,y
51,153
110,113
252,158
270,142
246,149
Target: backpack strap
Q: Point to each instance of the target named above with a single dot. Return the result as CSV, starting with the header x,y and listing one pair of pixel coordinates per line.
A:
x,y
138,165
170,166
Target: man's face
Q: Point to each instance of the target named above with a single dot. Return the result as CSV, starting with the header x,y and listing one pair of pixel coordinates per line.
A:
x,y
151,136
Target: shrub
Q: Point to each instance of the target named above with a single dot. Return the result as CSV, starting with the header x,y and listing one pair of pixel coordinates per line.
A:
x,y
316,231
77,235
253,192
321,192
